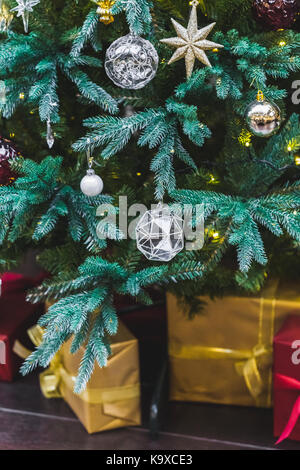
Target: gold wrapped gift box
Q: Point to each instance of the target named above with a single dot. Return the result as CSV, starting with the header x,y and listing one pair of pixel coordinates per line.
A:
x,y
224,354
112,396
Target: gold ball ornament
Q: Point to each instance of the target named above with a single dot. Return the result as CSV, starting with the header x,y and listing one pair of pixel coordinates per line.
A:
x,y
263,118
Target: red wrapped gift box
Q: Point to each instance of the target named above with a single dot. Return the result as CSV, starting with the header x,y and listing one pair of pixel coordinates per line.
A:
x,y
287,380
16,316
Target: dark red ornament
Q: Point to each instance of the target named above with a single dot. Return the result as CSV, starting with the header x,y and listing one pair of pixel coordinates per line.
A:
x,y
276,14
8,151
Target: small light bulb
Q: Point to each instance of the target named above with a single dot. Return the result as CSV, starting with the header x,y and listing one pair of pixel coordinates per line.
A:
x,y
216,235
21,96
297,159
282,43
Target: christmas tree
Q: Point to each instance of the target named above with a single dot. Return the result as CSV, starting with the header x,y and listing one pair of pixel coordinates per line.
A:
x,y
198,111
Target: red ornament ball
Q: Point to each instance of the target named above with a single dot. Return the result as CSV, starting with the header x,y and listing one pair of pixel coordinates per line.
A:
x,y
276,14
7,152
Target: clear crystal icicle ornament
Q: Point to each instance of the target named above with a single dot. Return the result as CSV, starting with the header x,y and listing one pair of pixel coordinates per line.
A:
x,y
91,184
3,91
23,8
50,135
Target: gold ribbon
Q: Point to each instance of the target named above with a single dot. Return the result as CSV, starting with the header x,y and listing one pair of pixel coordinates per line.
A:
x,y
20,350
249,369
246,363
249,363
52,379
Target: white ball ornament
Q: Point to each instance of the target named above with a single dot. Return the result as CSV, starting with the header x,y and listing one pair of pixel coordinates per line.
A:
x,y
131,62
91,184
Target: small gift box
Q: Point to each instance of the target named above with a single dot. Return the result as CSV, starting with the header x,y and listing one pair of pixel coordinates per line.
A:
x,y
224,354
16,316
287,380
112,396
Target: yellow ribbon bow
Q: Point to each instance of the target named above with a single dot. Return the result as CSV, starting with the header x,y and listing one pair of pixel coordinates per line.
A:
x,y
250,371
246,361
52,379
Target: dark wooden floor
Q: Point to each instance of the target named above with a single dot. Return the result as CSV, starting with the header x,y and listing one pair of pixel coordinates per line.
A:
x,y
29,421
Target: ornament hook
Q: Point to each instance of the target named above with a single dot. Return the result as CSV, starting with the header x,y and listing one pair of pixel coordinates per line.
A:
x,y
89,155
260,96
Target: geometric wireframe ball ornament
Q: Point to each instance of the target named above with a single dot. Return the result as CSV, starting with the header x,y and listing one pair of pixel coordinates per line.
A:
x,y
131,62
263,118
159,234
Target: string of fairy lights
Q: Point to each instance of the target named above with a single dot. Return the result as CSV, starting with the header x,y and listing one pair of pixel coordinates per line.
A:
x,y
106,17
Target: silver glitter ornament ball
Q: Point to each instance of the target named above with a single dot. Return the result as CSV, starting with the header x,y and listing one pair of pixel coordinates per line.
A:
x,y
91,184
159,234
131,62
263,118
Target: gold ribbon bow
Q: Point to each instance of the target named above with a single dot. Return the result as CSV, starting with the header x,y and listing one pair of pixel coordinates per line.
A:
x,y
246,361
250,371
51,380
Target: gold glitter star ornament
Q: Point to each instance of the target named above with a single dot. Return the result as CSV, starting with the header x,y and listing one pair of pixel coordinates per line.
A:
x,y
191,42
